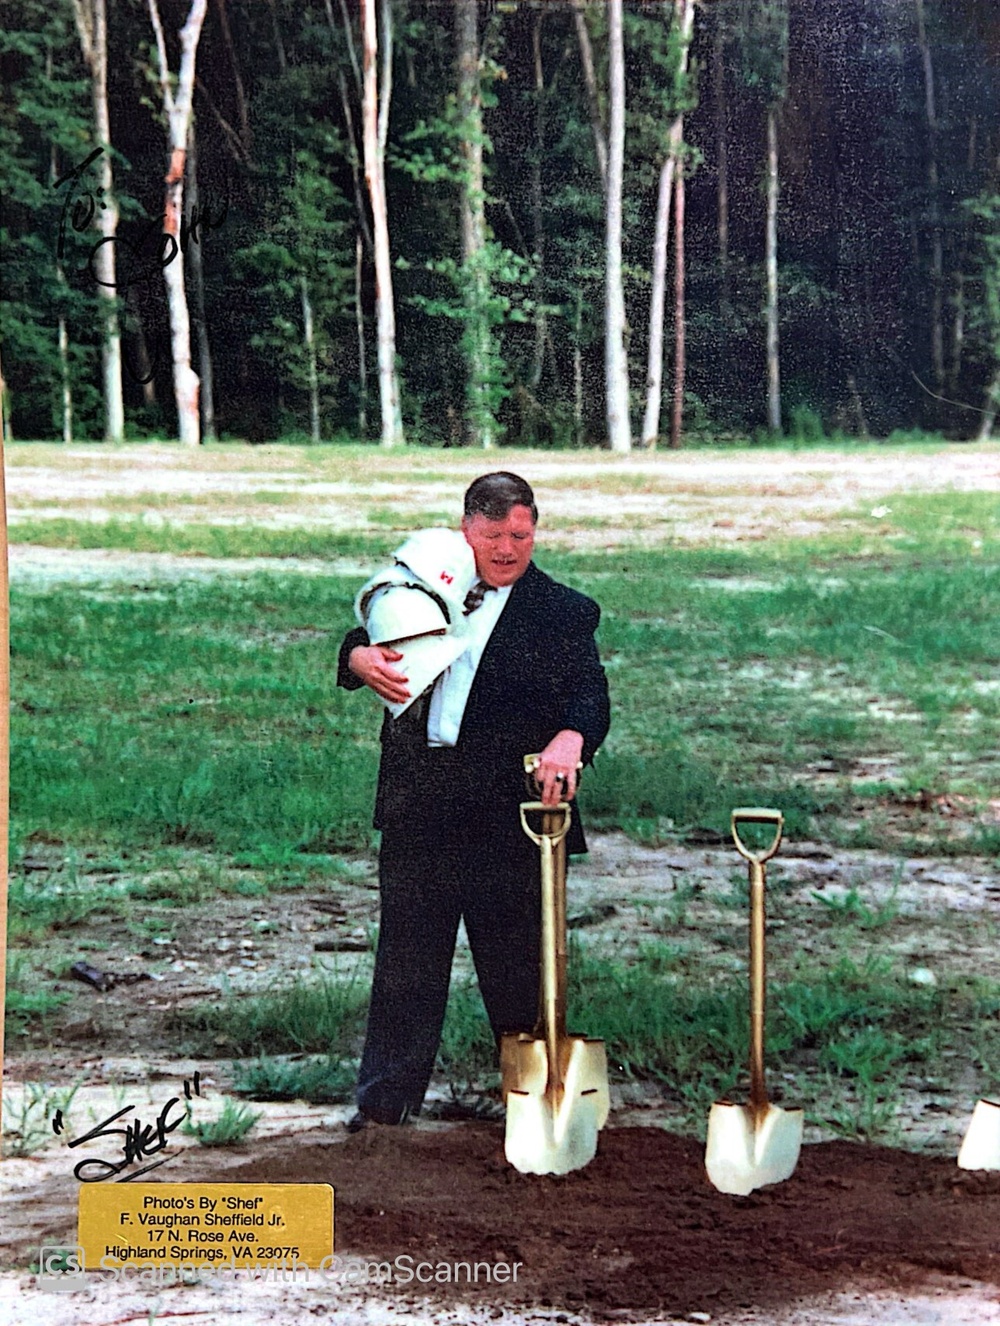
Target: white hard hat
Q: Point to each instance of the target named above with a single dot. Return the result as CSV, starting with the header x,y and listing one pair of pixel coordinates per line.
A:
x,y
402,612
443,561
397,612
423,661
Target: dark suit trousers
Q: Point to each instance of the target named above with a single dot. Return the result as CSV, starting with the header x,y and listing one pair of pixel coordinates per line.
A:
x,y
430,876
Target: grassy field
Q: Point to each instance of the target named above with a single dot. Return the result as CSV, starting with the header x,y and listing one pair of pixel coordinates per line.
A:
x,y
849,675
820,672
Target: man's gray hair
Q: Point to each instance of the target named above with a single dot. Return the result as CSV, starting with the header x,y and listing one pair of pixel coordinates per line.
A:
x,y
494,495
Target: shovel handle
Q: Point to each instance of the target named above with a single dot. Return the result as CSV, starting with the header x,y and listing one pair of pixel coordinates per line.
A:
x,y
758,973
756,815
554,830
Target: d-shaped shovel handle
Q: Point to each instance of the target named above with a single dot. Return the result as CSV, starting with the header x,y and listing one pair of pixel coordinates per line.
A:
x,y
757,815
556,821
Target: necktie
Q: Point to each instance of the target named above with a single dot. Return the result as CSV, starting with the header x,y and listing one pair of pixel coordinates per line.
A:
x,y
475,596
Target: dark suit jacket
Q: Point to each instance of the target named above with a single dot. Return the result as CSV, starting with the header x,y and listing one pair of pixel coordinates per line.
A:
x,y
540,673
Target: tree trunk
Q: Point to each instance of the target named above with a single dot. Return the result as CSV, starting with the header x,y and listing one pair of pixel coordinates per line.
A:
x,y
345,103
178,111
375,124
958,326
615,357
141,367
992,409
934,208
242,113
578,373
721,159
680,324
279,45
205,371
61,334
854,396
359,317
6,431
771,266
657,302
684,11
92,25
537,203
309,343
480,423
590,83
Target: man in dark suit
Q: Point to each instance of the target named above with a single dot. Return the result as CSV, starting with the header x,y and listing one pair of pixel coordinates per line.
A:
x,y
450,783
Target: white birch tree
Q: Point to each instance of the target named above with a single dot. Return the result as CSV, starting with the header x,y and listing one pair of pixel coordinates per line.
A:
x,y
771,278
684,25
375,125
92,26
475,278
177,105
615,356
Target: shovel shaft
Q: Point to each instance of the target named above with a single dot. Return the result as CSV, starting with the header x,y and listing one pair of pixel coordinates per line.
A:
x,y
554,954
551,840
758,971
758,987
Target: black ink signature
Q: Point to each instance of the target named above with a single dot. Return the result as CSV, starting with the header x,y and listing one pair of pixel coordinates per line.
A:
x,y
141,1141
137,260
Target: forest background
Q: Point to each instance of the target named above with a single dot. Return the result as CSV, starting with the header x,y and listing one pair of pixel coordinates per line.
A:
x,y
450,222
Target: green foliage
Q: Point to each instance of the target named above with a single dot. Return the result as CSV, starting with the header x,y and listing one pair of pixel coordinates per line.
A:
x,y
324,1016
318,1079
28,1003
28,1110
851,909
986,209
45,130
761,31
228,1128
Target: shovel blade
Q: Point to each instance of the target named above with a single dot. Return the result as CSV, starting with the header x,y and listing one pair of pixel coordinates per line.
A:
x,y
746,1150
553,1132
981,1145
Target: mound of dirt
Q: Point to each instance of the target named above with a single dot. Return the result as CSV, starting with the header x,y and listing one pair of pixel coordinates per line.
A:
x,y
641,1228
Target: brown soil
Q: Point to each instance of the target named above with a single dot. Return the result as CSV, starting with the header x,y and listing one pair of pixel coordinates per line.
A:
x,y
642,1228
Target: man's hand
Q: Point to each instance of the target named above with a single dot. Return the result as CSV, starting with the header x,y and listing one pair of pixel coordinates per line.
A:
x,y
557,767
371,664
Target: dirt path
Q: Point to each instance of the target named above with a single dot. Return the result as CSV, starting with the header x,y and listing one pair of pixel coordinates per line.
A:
x,y
586,499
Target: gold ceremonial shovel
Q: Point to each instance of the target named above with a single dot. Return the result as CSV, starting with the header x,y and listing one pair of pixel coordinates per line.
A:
x,y
752,1145
981,1144
555,1085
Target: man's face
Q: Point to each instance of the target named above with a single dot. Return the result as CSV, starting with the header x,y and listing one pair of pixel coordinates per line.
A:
x,y
502,548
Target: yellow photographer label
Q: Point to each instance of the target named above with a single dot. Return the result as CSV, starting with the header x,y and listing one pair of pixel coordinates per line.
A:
x,y
205,1225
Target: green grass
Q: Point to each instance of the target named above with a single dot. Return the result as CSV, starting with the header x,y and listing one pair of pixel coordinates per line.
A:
x,y
229,1128
205,713
135,534
319,1079
324,1016
845,1037
28,1004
